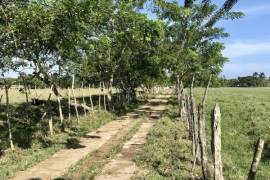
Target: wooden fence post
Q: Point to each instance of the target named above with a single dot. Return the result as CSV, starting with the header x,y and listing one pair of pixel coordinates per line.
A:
x,y
99,96
178,93
84,103
202,142
69,110
104,97
50,112
216,143
256,159
75,101
8,116
61,113
90,96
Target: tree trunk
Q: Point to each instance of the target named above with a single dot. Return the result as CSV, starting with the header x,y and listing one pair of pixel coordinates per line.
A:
x,y
8,116
1,97
256,159
50,113
99,97
110,93
202,142
216,143
178,92
69,110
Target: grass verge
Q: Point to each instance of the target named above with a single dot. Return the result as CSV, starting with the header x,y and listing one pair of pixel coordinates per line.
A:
x,y
167,155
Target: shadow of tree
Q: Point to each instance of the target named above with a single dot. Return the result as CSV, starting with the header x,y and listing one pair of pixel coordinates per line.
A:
x,y
27,124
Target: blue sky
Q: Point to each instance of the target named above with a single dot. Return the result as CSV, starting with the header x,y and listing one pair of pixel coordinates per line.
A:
x,y
248,47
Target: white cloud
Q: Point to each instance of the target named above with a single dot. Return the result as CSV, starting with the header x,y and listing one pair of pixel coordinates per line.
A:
x,y
242,49
262,9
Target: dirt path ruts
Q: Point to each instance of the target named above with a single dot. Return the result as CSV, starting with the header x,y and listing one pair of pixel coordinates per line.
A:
x,y
59,163
123,166
102,154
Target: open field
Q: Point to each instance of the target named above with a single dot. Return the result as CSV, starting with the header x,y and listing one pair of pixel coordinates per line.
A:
x,y
18,97
245,118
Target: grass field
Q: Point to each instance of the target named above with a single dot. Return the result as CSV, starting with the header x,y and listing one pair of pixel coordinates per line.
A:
x,y
245,118
18,97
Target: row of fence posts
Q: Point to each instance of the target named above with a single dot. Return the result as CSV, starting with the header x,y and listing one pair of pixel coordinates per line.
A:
x,y
195,121
72,101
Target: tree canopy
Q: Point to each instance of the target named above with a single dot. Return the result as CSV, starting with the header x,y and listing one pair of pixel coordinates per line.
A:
x,y
112,41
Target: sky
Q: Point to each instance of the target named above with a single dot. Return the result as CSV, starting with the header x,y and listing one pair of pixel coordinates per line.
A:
x,y
248,47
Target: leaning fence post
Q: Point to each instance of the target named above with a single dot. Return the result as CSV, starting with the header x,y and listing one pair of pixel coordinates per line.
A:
x,y
216,143
256,159
202,142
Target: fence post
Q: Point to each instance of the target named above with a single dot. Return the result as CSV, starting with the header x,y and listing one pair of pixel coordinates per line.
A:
x,y
8,116
90,96
75,100
256,159
216,143
202,142
69,110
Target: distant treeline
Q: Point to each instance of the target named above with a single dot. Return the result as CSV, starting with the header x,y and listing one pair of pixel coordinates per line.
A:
x,y
254,80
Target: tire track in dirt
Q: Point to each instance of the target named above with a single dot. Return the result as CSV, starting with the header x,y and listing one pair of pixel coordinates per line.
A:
x,y
123,166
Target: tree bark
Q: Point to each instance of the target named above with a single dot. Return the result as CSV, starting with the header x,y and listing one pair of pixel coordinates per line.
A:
x,y
69,110
110,91
216,143
178,91
1,97
256,159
